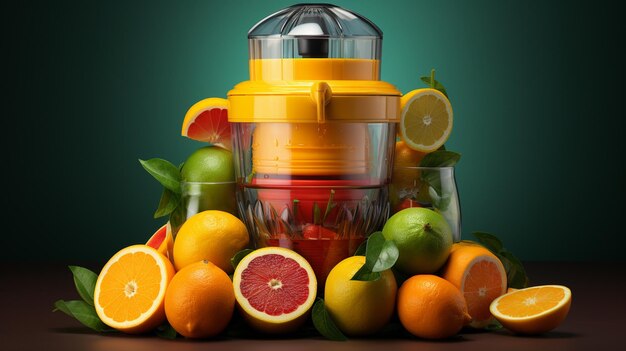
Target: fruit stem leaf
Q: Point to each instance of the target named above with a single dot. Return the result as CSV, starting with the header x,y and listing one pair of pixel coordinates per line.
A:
x,y
83,312
164,172
330,205
234,261
324,323
515,272
380,255
85,282
433,83
166,331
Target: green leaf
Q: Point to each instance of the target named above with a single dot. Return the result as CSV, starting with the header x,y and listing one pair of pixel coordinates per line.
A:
x,y
85,281
168,203
329,207
83,312
164,172
380,255
234,261
433,83
516,274
489,241
324,323
166,331
493,326
440,158
360,251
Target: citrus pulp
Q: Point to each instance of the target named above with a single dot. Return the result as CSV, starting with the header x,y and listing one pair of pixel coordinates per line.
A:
x,y
479,275
207,120
130,290
426,119
274,288
533,310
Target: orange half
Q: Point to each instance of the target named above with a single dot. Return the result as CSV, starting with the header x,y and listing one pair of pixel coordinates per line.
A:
x,y
479,275
130,290
533,310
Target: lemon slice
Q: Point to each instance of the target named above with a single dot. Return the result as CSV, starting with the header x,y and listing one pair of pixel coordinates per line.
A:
x,y
426,120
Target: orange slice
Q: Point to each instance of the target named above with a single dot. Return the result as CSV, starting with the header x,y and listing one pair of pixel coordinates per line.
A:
x,y
130,289
163,240
479,275
426,119
533,310
207,120
275,288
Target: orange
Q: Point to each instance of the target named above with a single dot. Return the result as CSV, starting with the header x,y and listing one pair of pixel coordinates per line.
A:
x,y
210,235
163,240
533,310
130,290
479,275
275,288
199,301
430,307
207,120
359,307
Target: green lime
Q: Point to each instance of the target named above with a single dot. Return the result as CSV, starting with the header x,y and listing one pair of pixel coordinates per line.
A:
x,y
208,181
209,164
423,238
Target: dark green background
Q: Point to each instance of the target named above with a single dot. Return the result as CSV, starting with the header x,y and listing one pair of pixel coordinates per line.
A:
x,y
537,90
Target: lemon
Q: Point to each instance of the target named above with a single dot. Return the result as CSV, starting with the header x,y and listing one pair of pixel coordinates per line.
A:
x,y
426,120
423,238
359,307
211,235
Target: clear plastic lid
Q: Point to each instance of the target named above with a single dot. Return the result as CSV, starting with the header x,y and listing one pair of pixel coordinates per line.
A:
x,y
315,31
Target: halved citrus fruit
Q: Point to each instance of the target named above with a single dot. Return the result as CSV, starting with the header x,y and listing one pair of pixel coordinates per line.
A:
x,y
533,310
479,275
274,288
207,120
426,119
130,290
162,240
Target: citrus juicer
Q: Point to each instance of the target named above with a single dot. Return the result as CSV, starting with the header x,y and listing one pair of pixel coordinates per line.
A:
x,y
314,133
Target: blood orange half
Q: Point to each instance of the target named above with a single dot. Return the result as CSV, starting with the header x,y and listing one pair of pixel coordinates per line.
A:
x,y
207,120
275,288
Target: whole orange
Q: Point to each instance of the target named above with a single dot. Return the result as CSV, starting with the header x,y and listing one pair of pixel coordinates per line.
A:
x,y
430,307
200,300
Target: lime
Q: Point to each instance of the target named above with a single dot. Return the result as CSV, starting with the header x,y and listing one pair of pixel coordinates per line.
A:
x,y
423,238
209,164
359,307
208,181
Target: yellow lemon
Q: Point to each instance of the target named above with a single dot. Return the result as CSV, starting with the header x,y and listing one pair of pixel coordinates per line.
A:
x,y
211,235
426,120
359,307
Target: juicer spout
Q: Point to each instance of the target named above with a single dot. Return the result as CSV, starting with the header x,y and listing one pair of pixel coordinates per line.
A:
x,y
321,95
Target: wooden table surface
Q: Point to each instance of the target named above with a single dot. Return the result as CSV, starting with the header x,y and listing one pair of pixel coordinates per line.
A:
x,y
597,319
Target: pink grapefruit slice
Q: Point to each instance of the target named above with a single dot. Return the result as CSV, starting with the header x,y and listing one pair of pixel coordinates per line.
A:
x,y
275,288
163,241
207,121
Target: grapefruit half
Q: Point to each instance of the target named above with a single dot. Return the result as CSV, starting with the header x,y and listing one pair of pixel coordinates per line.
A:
x,y
163,241
275,289
207,121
